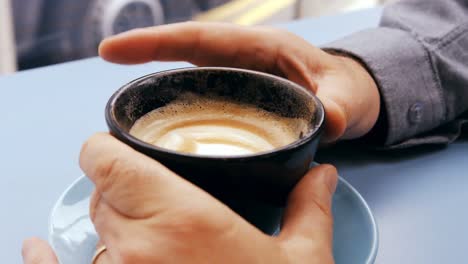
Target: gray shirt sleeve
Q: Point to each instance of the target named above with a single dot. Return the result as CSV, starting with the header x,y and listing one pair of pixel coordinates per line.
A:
x,y
419,59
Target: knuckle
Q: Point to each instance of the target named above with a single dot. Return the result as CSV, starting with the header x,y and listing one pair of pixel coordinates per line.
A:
x,y
88,151
108,169
107,166
90,142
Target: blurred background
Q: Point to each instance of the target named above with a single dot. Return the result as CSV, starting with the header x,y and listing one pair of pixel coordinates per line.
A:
x,y
35,33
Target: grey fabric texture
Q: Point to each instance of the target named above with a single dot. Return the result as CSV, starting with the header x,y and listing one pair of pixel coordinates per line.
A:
x,y
419,59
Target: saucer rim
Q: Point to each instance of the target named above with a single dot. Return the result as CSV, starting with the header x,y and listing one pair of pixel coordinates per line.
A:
x,y
57,204
375,231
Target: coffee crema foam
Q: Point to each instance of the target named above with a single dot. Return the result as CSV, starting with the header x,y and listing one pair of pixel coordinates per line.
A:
x,y
203,126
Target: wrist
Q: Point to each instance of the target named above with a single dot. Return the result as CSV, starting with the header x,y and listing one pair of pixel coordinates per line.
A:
x,y
365,96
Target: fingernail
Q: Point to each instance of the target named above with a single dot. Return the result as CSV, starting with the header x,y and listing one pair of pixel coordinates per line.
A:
x,y
330,178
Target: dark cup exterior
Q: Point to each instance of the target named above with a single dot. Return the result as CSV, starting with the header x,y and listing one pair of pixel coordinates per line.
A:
x,y
265,177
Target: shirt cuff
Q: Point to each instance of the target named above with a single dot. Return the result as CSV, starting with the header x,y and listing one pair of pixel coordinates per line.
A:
x,y
402,68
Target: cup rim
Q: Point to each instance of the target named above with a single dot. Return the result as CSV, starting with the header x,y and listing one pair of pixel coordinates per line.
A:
x,y
315,132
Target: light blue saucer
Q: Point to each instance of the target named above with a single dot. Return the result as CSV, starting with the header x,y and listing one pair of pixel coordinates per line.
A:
x,y
74,239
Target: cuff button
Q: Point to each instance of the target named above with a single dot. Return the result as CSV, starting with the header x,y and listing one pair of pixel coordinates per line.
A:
x,y
415,113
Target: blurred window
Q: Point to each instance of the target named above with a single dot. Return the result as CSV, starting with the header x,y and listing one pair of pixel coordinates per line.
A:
x,y
54,31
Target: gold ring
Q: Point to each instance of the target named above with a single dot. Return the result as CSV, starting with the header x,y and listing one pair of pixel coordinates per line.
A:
x,y
98,253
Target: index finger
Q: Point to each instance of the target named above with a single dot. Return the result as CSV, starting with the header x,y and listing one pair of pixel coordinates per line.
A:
x,y
215,44
133,184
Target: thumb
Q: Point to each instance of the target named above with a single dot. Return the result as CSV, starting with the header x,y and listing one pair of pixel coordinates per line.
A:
x,y
336,121
36,251
308,216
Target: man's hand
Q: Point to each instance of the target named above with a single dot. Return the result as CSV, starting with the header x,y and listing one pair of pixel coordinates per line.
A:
x,y
144,213
347,90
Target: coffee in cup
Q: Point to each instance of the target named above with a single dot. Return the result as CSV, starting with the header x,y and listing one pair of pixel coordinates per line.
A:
x,y
216,127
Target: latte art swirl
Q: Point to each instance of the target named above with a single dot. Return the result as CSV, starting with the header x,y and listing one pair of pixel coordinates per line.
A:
x,y
216,128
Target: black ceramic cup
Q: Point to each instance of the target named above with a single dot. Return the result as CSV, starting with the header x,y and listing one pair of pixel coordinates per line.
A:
x,y
263,180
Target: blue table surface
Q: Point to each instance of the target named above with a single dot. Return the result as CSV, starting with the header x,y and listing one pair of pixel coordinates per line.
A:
x,y
418,196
